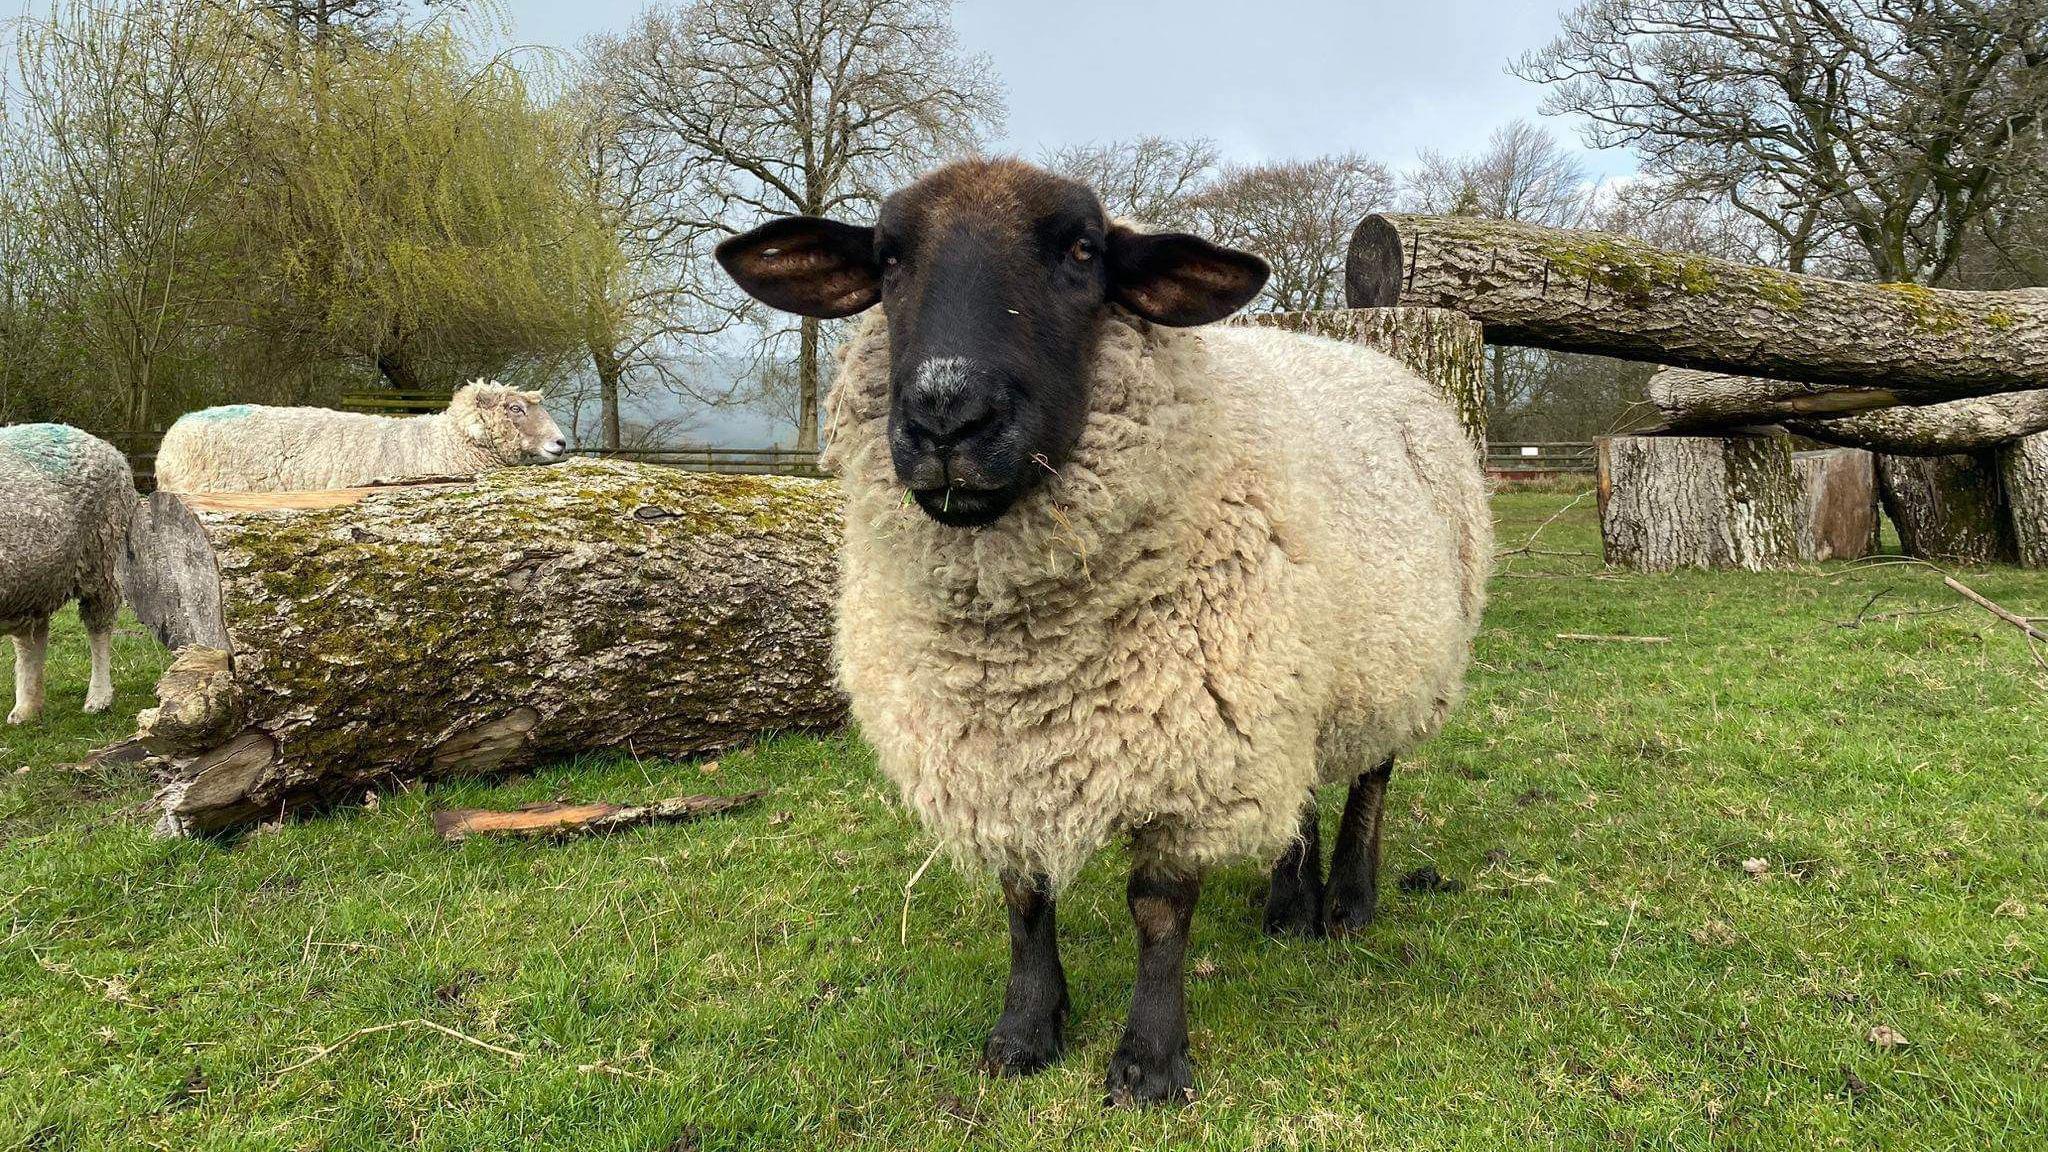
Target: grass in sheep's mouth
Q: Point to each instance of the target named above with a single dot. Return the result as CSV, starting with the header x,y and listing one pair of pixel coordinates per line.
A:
x,y
1611,973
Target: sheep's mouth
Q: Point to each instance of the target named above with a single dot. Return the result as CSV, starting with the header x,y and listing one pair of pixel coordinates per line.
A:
x,y
959,506
550,455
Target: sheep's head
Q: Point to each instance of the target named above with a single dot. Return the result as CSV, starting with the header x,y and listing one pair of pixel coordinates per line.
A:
x,y
996,277
509,424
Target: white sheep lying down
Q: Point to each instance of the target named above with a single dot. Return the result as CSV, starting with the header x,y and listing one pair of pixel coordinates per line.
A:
x,y
256,448
66,500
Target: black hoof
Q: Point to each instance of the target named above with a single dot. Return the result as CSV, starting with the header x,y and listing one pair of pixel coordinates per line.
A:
x,y
1352,912
1296,913
1140,1074
1019,1048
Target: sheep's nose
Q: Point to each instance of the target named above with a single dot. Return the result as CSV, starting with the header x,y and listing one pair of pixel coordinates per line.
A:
x,y
557,446
947,402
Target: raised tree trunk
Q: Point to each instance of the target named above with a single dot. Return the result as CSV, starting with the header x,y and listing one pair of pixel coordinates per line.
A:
x,y
1671,502
1836,515
807,373
1446,347
1861,345
2023,466
340,641
1698,401
1947,508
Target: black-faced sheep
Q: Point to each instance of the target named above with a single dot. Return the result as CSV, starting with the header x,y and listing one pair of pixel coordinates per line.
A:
x,y
254,448
1107,574
66,500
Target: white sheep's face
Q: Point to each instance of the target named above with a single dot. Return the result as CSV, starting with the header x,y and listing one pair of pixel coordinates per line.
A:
x,y
513,425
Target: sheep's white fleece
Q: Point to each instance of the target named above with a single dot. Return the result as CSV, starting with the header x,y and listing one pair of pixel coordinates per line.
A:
x,y
258,448
1260,571
66,499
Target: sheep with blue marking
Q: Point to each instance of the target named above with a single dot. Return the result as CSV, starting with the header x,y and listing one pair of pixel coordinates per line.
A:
x,y
66,500
1109,573
257,448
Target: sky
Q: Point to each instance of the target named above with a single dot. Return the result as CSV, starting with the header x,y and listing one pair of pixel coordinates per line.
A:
x,y
1266,80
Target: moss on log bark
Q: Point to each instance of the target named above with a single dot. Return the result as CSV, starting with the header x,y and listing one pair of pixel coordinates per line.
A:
x,y
1947,508
355,638
2023,467
1669,502
1861,346
1448,348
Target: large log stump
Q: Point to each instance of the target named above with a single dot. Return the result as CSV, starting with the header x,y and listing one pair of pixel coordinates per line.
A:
x,y
1836,515
2023,466
340,641
1860,345
1670,502
1447,348
1947,508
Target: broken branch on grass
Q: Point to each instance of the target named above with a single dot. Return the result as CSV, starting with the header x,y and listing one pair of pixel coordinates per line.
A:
x,y
1614,639
557,819
323,1051
1978,598
1529,544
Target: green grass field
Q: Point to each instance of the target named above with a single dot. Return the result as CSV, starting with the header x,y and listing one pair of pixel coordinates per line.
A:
x,y
1697,875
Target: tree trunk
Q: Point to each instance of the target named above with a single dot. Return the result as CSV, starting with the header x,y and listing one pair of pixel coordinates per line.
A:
x,y
398,371
1836,515
1862,345
807,386
608,399
1670,502
2023,466
340,641
1446,347
1947,508
1699,401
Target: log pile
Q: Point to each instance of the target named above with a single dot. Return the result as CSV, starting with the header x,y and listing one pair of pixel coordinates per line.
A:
x,y
337,642
1948,388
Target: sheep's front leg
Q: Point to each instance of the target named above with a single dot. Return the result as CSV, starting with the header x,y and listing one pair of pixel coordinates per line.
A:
x,y
1151,1064
30,646
1354,889
1294,898
1032,1031
98,610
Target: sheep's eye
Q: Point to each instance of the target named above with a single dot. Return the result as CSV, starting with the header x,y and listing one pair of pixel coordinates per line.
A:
x,y
518,409
1082,251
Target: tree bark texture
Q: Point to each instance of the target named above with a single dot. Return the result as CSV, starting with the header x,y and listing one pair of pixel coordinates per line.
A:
x,y
340,641
2023,466
1947,508
1861,346
1669,502
1836,515
1448,348
1694,400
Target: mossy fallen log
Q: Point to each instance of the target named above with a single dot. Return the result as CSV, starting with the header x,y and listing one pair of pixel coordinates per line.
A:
x,y
336,642
1859,346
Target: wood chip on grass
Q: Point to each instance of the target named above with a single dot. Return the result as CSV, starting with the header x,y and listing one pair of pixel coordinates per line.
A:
x,y
556,819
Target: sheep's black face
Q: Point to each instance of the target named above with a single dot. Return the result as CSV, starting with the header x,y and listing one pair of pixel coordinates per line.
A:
x,y
996,276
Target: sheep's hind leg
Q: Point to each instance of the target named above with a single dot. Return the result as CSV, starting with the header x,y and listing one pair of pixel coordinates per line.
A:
x,y
1032,1031
1294,898
30,646
1151,1063
1354,887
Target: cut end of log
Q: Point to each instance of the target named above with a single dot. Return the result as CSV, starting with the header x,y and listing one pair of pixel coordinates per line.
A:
x,y
1372,272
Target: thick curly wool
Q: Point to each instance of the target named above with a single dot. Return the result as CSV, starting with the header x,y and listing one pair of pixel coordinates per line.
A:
x,y
1261,570
256,448
66,499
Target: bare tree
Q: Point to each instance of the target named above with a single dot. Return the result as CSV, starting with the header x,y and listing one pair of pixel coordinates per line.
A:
x,y
1299,215
1524,174
1893,127
126,109
811,107
1152,179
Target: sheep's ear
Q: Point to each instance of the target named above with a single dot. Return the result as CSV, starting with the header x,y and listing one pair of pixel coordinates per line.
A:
x,y
807,265
1179,280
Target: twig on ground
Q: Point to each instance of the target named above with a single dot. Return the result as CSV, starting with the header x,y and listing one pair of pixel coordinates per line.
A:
x,y
1529,544
1867,605
1978,598
323,1051
554,819
903,925
1615,639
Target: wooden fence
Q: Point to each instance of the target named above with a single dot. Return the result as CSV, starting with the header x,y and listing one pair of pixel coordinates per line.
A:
x,y
745,461
1536,460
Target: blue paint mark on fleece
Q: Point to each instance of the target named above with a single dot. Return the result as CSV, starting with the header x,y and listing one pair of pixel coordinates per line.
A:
x,y
51,449
224,412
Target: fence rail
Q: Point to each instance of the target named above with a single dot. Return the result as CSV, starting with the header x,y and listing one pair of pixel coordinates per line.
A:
x,y
743,461
1534,459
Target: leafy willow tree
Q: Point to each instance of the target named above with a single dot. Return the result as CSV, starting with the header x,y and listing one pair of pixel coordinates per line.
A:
x,y
408,210
810,107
